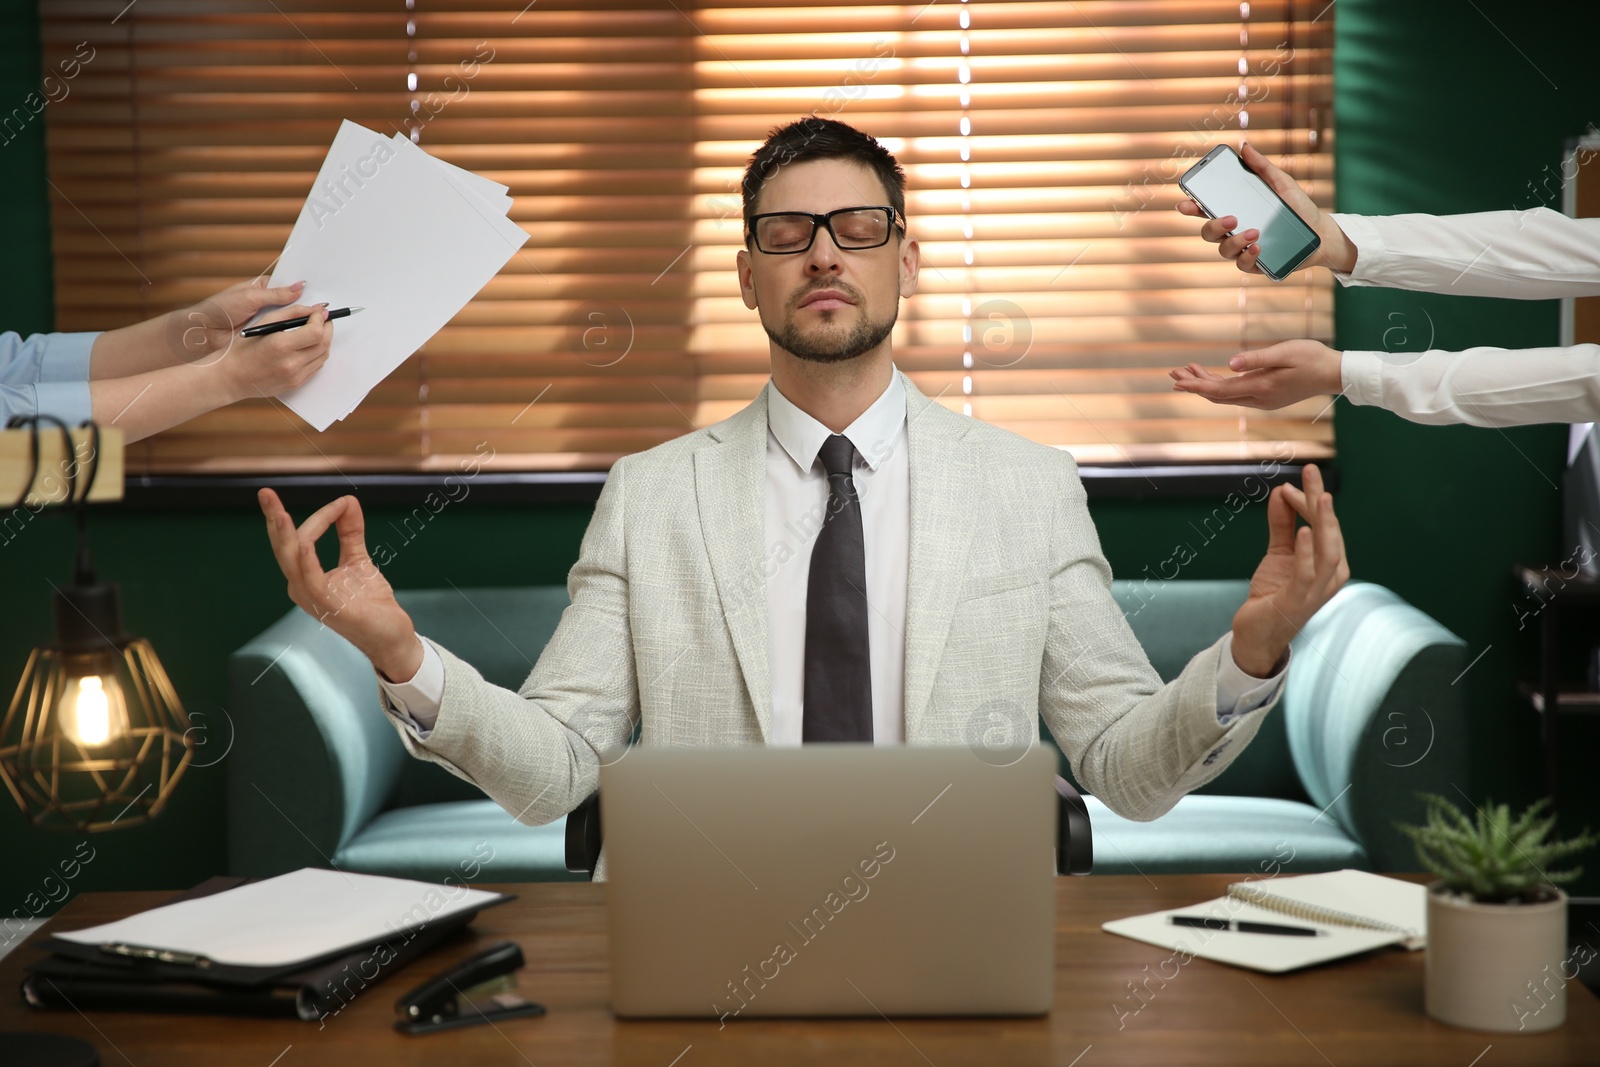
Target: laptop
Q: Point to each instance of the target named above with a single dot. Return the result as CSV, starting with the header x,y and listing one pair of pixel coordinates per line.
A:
x,y
830,880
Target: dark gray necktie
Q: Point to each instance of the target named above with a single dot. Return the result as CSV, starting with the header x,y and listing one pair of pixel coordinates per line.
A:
x,y
838,692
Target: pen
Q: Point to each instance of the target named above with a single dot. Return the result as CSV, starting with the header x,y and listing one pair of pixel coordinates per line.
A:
x,y
1243,926
290,324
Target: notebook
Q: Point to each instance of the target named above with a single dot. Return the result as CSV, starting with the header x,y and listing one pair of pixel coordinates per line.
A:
x,y
1355,911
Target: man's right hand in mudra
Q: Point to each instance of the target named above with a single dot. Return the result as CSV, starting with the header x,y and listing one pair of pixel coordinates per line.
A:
x,y
354,600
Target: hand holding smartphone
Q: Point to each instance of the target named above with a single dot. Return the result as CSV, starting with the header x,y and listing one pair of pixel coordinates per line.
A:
x,y
1222,185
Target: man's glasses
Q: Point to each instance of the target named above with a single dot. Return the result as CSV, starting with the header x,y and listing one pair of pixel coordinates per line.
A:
x,y
787,233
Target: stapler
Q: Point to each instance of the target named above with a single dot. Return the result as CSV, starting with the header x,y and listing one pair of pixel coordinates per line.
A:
x,y
476,990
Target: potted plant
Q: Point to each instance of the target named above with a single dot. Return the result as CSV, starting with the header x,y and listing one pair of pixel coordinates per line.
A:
x,y
1497,919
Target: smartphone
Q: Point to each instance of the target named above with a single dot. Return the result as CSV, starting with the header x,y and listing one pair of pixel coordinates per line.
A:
x,y
1222,185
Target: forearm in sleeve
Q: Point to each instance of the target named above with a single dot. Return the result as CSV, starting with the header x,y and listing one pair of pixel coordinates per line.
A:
x,y
1527,255
1136,744
47,374
1479,386
537,752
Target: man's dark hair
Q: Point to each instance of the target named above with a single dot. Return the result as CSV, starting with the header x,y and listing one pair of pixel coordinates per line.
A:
x,y
819,138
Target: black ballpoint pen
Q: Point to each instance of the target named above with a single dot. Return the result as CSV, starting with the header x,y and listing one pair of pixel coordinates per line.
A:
x,y
290,324
1243,926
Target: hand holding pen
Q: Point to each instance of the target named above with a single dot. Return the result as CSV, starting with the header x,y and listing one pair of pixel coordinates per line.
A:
x,y
277,356
283,325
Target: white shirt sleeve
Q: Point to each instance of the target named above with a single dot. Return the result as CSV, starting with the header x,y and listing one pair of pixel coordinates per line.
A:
x,y
1238,692
415,702
1532,255
1480,386
1537,254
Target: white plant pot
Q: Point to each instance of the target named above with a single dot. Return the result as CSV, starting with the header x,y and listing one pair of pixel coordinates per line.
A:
x,y
1497,967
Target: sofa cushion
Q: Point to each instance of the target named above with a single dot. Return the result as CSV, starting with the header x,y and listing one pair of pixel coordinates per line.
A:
x,y
463,841
1205,834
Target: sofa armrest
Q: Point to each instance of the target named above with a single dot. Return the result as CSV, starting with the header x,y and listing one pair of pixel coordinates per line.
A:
x,y
313,758
1372,715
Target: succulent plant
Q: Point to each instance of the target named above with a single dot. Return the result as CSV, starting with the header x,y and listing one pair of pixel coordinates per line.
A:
x,y
1494,859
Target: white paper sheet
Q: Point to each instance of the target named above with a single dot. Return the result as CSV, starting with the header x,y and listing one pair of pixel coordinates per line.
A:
x,y
390,229
284,920
492,192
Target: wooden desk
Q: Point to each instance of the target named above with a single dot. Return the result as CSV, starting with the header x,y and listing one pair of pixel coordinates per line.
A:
x,y
1359,1011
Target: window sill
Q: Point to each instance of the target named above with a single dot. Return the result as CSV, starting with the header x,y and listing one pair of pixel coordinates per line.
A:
x,y
163,492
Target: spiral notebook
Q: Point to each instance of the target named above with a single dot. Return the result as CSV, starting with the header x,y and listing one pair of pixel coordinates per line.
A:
x,y
1354,912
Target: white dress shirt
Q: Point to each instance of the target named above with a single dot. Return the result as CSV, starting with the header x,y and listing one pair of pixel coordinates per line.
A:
x,y
796,500
1527,255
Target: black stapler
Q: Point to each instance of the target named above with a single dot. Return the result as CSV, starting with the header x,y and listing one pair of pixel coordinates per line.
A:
x,y
476,990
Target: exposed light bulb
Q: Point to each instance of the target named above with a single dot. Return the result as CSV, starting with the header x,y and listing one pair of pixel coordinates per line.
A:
x,y
93,712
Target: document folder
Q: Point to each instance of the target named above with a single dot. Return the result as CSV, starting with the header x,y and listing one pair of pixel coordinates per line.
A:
x,y
83,971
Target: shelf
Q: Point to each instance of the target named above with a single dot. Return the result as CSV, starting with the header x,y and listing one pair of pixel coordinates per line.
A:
x,y
1568,701
1557,583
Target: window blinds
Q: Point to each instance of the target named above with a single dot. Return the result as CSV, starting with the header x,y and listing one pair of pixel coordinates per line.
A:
x,y
1042,143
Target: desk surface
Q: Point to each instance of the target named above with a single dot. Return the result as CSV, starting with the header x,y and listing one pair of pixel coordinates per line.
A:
x,y
1365,1010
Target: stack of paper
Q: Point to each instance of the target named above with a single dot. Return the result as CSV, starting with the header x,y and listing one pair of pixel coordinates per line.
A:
x,y
405,236
290,919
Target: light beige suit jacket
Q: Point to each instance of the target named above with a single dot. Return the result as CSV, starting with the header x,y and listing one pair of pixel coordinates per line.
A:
x,y
1008,616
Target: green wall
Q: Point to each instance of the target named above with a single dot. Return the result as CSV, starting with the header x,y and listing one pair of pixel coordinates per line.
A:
x,y
1441,109
1436,111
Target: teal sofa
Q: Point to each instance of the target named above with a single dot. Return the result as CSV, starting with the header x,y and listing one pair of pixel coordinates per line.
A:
x,y
317,776
1369,716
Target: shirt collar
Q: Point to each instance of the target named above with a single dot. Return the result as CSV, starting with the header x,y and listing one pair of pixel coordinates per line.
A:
x,y
873,433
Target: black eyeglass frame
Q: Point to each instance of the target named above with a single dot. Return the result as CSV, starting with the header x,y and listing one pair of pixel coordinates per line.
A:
x,y
819,221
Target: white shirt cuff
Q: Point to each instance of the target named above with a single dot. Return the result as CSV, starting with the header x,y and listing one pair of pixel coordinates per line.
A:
x,y
1239,693
1370,249
1361,376
416,701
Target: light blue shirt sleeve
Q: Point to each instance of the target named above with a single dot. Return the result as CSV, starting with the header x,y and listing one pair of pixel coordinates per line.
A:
x,y
47,374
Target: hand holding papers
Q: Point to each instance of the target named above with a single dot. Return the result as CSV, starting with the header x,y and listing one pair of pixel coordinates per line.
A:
x,y
407,237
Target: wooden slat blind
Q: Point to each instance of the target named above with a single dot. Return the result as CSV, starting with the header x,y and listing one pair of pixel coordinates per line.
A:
x,y
1042,141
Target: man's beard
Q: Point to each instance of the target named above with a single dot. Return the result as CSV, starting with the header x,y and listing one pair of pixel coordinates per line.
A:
x,y
862,338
